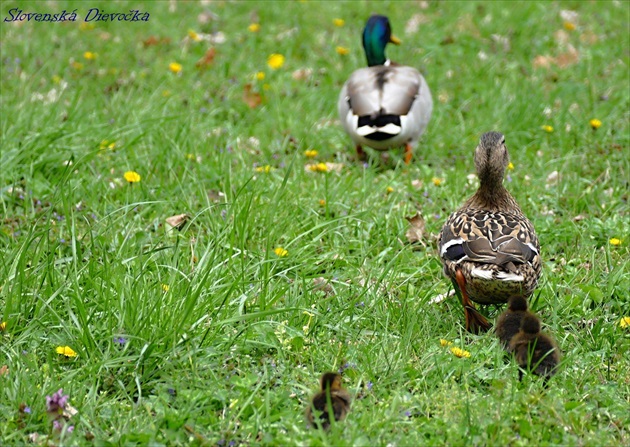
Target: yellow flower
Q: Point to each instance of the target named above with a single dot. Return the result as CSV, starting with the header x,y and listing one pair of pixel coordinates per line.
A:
x,y
56,79
166,93
445,342
107,145
132,176
84,26
342,50
510,166
3,326
389,190
254,27
460,352
175,67
322,202
266,169
595,123
318,167
77,66
281,252
547,128
260,75
339,22
624,322
165,288
275,61
615,241
194,36
66,350
90,56
569,26
311,153
437,181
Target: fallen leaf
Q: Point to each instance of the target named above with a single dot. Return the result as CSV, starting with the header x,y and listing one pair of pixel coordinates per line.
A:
x,y
206,59
178,221
4,370
570,57
415,233
152,40
323,285
302,74
251,98
543,61
69,411
561,37
569,16
552,178
579,217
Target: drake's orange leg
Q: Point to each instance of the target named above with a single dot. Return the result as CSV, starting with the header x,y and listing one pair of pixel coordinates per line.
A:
x,y
361,153
408,153
475,322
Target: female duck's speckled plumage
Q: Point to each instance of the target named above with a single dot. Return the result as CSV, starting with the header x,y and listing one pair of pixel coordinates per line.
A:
x,y
488,247
385,105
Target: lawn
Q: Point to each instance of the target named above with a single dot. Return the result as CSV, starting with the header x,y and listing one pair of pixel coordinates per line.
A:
x,y
216,333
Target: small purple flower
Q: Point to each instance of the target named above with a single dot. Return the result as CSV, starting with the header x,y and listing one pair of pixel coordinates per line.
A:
x,y
62,241
369,385
120,340
57,425
232,443
408,413
172,391
203,110
366,165
27,410
56,403
221,442
509,178
70,428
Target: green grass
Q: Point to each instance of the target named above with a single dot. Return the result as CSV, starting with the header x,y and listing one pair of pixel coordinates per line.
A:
x,y
233,350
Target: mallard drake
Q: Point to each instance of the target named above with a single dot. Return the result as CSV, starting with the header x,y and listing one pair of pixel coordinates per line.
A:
x,y
331,400
509,322
488,247
384,105
533,350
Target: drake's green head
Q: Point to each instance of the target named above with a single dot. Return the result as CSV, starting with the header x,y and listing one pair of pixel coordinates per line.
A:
x,y
376,35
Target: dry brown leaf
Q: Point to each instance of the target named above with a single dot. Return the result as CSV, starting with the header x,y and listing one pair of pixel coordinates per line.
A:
x,y
571,57
543,61
251,98
322,284
4,370
178,221
302,74
207,58
152,40
415,233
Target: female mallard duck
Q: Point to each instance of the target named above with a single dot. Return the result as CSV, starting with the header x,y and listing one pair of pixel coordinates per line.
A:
x,y
385,105
509,322
488,247
331,400
533,350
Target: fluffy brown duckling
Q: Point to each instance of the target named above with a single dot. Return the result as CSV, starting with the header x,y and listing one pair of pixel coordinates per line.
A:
x,y
509,322
332,399
534,350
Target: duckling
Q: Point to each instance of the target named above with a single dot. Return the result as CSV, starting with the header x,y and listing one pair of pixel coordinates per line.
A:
x,y
488,247
384,105
509,322
332,399
534,351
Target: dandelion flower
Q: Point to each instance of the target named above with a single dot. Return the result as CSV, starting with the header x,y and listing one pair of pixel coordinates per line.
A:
x,y
569,26
280,252
175,67
132,176
165,288
624,322
260,75
342,50
319,167
510,166
66,351
595,123
3,326
339,22
389,190
547,128
615,241
266,169
89,55
254,27
460,352
311,153
437,181
105,144
444,342
322,202
275,61
194,36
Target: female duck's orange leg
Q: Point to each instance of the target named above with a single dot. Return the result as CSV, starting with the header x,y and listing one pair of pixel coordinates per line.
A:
x,y
408,153
475,322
